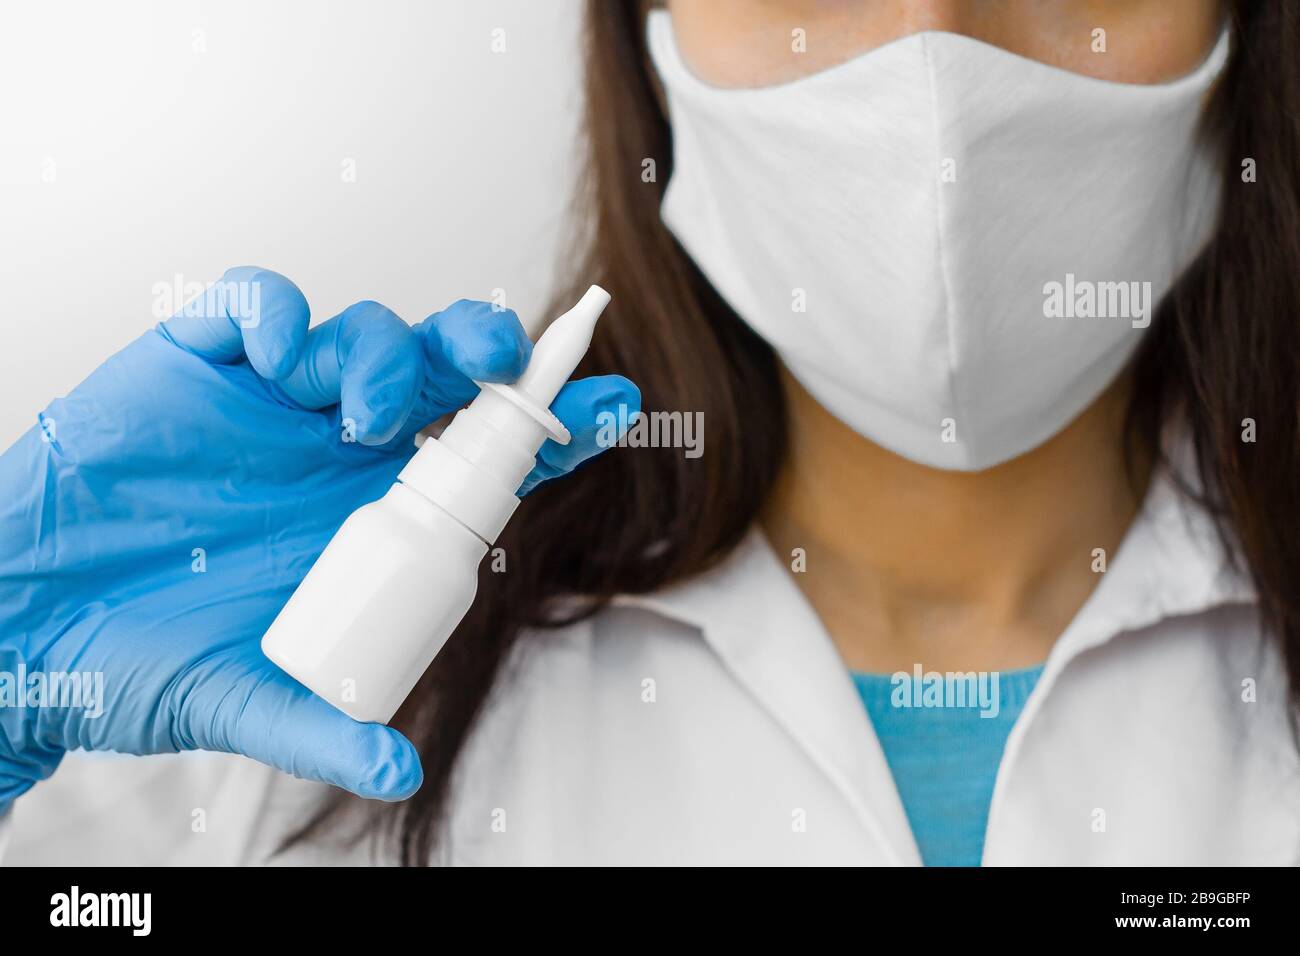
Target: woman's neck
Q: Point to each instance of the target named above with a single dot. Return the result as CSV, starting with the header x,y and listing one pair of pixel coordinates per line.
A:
x,y
907,564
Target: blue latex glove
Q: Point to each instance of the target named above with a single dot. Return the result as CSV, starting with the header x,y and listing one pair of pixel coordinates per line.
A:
x,y
158,518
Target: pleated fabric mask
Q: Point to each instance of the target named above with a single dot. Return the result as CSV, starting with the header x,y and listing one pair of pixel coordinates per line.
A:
x,y
953,248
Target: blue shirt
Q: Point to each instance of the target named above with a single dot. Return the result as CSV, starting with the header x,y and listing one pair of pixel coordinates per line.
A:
x,y
943,737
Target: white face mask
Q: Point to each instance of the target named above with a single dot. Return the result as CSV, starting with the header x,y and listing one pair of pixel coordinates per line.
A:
x,y
953,248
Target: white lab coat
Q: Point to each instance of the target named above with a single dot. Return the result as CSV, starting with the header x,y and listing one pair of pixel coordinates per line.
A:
x,y
1157,734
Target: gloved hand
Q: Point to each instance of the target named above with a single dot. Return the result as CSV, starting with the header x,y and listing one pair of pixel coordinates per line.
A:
x,y
158,518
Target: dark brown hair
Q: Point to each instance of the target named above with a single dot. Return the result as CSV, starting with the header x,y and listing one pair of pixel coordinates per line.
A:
x,y
1225,347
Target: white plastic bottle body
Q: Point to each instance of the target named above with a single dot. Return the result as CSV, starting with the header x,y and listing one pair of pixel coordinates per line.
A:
x,y
375,609
360,631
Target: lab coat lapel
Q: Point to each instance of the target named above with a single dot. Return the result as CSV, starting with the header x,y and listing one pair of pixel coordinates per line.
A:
x,y
1170,563
755,618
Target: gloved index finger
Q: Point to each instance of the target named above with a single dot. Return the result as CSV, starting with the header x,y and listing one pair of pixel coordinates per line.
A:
x,y
596,411
470,342
249,312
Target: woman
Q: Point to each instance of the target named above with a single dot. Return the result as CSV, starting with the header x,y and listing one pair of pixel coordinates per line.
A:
x,y
988,313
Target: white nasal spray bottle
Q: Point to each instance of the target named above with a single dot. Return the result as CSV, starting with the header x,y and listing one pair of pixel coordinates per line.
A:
x,y
401,572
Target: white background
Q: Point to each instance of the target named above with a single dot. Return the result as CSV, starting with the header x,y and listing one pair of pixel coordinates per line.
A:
x,y
185,137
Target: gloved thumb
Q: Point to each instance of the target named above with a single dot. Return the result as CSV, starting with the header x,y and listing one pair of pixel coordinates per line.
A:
x,y
255,709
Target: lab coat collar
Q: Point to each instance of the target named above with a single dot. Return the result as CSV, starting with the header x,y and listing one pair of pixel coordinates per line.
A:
x,y
1171,563
756,619
758,622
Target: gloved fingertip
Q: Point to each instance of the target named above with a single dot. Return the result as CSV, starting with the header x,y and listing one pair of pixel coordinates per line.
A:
x,y
597,411
623,396
274,356
592,402
480,340
273,316
392,771
378,419
373,437
499,354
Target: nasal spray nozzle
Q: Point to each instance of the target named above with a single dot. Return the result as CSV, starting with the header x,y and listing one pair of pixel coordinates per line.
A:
x,y
559,351
501,431
401,572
